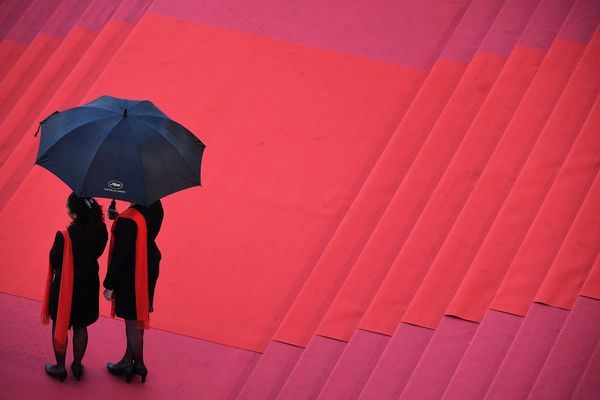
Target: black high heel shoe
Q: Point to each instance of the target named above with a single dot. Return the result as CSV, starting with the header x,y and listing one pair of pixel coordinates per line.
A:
x,y
77,370
137,369
60,375
114,369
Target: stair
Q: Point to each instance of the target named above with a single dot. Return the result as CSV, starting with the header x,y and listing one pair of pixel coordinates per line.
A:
x,y
23,31
49,79
38,53
71,91
464,263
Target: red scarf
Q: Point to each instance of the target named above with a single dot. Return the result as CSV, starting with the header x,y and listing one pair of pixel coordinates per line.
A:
x,y
65,298
142,300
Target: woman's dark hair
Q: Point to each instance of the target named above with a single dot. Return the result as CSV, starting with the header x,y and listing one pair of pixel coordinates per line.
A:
x,y
89,213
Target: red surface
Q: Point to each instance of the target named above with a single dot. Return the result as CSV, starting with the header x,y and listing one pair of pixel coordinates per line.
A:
x,y
510,24
591,288
33,20
97,14
358,223
24,32
50,78
478,240
580,248
190,369
547,208
354,366
485,353
329,272
271,372
525,358
25,71
391,31
447,200
589,384
548,20
10,52
571,353
337,262
66,16
286,98
397,363
21,160
442,208
34,98
470,31
441,357
11,12
411,197
314,366
307,146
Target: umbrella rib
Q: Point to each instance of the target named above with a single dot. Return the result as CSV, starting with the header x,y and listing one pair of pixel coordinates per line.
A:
x,y
84,180
163,162
137,150
168,140
73,130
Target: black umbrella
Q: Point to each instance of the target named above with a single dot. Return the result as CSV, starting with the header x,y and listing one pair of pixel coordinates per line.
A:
x,y
121,149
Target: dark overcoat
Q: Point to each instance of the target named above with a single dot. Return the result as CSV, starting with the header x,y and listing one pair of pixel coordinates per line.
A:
x,y
120,276
87,248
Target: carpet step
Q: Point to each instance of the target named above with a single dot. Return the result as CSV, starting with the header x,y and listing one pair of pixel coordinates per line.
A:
x,y
335,262
23,32
50,78
72,91
38,53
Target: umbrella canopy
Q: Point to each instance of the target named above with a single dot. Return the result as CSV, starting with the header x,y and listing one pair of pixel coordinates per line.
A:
x,y
120,149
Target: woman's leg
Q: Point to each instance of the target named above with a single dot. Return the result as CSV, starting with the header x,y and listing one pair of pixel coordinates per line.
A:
x,y
127,359
57,371
60,357
135,341
80,340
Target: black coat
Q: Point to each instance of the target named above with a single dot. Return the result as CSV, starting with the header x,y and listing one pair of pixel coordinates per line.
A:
x,y
120,276
86,283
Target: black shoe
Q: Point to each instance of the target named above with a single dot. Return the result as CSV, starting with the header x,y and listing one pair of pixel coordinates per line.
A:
x,y
137,369
116,370
77,370
56,373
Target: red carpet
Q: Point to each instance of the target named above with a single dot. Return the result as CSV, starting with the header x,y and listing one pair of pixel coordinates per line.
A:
x,y
399,200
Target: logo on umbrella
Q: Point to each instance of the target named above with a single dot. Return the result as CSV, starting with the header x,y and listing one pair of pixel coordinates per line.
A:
x,y
114,186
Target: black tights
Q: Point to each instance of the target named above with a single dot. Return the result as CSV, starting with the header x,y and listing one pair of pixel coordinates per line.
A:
x,y
80,340
134,353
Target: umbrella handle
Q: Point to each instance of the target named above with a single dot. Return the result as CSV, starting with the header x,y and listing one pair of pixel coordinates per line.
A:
x,y
112,210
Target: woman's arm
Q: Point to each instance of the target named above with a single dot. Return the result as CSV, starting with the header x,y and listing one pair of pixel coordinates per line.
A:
x,y
56,252
124,244
101,241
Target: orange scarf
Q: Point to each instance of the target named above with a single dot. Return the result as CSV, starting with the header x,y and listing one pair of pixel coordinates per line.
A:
x,y
65,298
142,300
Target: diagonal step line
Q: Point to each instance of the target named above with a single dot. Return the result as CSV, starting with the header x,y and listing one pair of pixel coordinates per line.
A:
x,y
49,79
75,86
472,155
38,53
384,191
19,38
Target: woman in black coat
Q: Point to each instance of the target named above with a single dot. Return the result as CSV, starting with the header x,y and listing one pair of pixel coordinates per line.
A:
x,y
120,283
88,237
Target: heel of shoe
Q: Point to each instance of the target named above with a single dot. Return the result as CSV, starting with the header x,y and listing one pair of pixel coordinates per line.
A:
x,y
77,370
143,376
142,371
